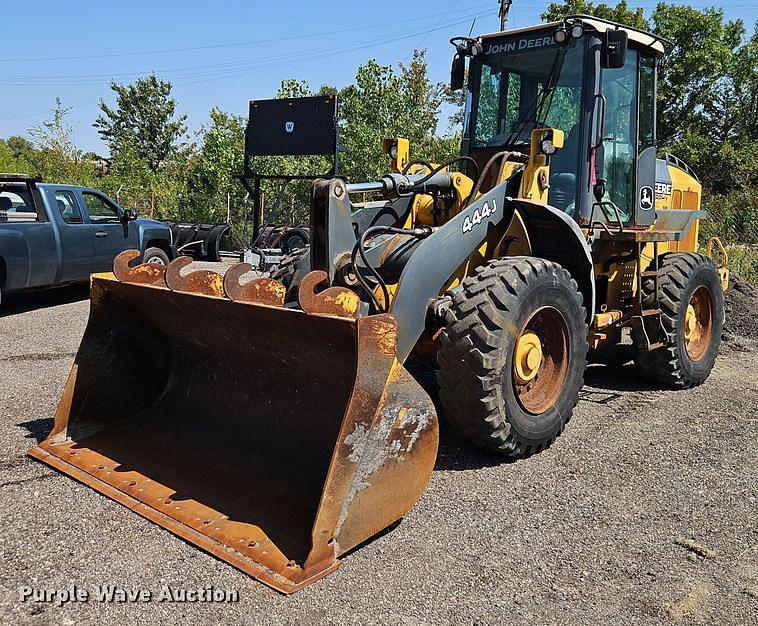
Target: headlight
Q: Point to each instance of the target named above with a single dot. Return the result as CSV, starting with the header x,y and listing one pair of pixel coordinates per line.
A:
x,y
393,151
577,30
547,147
561,35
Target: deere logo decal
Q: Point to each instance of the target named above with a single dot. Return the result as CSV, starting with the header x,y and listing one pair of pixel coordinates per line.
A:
x,y
662,189
289,126
646,198
517,45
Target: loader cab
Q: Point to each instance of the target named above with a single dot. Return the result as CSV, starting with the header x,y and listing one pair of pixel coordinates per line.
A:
x,y
592,79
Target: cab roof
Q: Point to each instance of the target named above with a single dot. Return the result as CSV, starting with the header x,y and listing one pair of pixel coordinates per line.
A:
x,y
647,41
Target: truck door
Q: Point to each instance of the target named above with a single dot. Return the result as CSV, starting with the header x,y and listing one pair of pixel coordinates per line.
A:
x,y
75,237
109,235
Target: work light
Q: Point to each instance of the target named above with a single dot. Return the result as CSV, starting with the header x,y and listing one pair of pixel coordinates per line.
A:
x,y
547,146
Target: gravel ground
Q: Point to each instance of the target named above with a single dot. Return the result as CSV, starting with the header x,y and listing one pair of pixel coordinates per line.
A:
x,y
643,512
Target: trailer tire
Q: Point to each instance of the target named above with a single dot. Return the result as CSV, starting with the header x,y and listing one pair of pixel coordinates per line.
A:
x,y
155,256
295,239
512,355
692,303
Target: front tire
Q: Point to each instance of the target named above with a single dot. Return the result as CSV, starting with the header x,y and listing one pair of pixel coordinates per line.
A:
x,y
692,312
512,356
155,256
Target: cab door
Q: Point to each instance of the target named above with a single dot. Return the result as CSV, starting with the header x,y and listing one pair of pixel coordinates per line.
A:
x,y
109,235
629,137
75,238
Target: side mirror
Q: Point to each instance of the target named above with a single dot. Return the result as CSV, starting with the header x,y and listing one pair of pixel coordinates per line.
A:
x,y
127,215
613,53
457,72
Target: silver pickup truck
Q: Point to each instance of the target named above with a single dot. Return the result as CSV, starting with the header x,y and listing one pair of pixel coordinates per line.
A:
x,y
56,234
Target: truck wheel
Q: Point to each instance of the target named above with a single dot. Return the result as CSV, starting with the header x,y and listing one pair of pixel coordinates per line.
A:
x,y
692,312
155,256
512,356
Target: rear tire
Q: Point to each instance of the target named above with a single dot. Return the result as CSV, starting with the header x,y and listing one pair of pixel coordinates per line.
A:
x,y
285,271
692,312
493,393
155,256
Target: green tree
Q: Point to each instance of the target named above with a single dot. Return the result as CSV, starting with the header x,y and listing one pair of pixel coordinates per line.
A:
x,y
385,103
58,159
11,160
694,79
211,182
55,134
620,13
145,119
21,148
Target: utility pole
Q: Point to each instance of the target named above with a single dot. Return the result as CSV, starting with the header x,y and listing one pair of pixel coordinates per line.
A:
x,y
505,6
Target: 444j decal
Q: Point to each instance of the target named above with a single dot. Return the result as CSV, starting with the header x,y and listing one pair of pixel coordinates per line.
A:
x,y
479,216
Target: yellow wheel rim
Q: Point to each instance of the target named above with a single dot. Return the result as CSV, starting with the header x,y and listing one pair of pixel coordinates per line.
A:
x,y
540,360
528,357
690,322
698,323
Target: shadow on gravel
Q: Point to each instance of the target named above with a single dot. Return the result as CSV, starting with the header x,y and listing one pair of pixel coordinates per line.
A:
x,y
16,303
455,454
37,429
604,383
615,378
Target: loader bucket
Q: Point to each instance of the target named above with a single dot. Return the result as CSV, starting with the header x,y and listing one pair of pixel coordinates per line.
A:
x,y
275,439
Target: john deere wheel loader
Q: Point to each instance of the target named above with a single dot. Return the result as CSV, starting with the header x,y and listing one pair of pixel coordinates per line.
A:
x,y
272,422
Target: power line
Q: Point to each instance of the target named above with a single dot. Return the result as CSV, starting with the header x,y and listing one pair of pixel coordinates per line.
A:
x,y
228,45
38,113
307,55
223,69
442,19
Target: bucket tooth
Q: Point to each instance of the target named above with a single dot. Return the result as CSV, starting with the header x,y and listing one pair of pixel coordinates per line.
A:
x,y
203,282
257,291
141,274
337,301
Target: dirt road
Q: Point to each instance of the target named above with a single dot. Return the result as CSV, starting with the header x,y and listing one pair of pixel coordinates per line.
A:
x,y
643,512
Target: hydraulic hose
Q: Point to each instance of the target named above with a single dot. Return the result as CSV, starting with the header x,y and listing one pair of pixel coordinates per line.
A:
x,y
360,249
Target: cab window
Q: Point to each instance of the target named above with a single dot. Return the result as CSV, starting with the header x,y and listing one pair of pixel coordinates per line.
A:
x,y
15,198
99,209
647,102
68,207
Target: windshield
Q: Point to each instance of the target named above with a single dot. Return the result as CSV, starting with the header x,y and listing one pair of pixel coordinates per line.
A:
x,y
527,82
512,82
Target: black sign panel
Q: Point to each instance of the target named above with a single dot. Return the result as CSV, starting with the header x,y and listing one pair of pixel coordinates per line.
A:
x,y
292,126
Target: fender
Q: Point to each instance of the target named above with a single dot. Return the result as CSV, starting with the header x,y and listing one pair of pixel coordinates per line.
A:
x,y
555,236
437,258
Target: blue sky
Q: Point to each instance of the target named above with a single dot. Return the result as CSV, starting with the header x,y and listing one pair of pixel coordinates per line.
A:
x,y
223,53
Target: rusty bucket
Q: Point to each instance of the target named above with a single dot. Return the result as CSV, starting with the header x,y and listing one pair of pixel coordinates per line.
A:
x,y
275,439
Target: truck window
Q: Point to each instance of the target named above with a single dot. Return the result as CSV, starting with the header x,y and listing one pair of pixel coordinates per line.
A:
x,y
16,203
99,210
68,207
